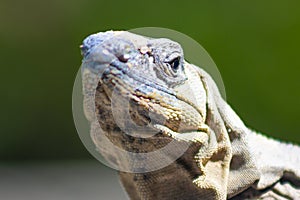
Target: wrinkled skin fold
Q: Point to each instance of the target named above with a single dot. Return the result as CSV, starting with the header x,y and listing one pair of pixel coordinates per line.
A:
x,y
143,96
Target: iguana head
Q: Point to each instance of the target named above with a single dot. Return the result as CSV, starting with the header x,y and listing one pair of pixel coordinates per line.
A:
x,y
146,79
154,106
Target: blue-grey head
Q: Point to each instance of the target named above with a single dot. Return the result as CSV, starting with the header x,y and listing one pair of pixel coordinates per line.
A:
x,y
155,61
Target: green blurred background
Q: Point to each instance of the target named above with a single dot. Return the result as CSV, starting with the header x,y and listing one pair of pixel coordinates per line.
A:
x,y
255,45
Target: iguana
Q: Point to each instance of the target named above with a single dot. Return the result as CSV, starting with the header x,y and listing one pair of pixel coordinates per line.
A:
x,y
142,96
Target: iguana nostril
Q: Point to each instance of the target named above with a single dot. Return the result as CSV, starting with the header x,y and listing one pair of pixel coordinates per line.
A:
x,y
83,49
123,58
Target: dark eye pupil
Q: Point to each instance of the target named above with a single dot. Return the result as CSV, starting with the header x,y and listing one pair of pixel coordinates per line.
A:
x,y
175,64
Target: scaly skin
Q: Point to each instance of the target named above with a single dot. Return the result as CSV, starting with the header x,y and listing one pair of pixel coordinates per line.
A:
x,y
145,96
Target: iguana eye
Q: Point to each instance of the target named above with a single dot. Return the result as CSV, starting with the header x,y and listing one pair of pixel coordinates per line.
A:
x,y
175,63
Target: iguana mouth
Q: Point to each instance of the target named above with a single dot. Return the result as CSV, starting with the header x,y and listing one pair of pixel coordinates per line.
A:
x,y
146,99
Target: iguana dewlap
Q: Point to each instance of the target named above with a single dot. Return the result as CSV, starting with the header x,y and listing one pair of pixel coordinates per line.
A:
x,y
142,95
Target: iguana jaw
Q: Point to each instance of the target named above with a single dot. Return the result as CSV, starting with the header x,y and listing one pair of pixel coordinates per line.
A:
x,y
153,106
